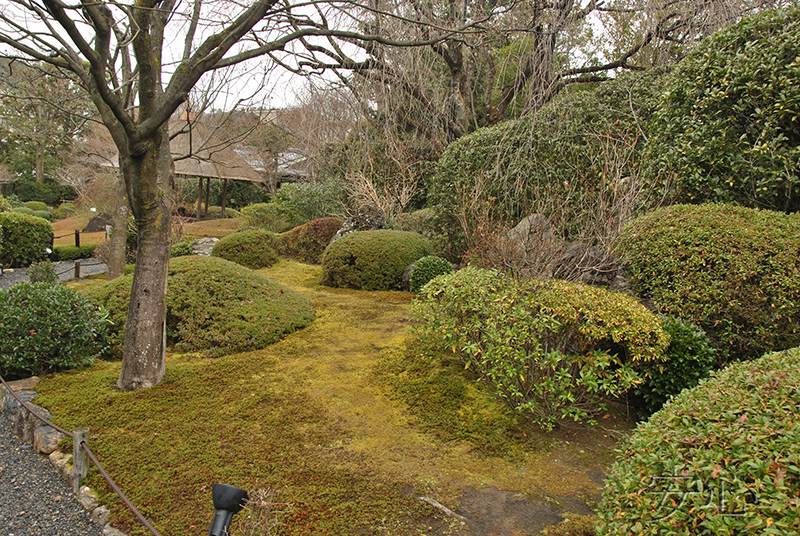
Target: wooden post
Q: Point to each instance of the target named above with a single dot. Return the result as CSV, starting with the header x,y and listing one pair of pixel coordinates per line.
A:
x,y
80,465
224,195
77,238
208,193
199,197
77,269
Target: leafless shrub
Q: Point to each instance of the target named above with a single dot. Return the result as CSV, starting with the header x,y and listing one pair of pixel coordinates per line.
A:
x,y
261,514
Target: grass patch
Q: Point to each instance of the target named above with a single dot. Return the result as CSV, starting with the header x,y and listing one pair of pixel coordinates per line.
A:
x,y
212,228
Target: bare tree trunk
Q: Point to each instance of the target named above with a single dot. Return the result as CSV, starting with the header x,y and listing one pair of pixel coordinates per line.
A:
x,y
144,353
119,235
39,162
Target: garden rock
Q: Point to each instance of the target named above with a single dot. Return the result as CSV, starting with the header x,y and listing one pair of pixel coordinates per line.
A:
x,y
46,439
203,246
100,515
98,223
11,406
369,218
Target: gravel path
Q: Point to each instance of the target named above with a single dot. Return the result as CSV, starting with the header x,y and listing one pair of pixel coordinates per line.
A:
x,y
64,269
34,500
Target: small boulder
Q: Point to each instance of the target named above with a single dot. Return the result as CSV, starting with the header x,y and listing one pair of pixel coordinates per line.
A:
x,y
46,439
203,246
98,223
369,218
100,515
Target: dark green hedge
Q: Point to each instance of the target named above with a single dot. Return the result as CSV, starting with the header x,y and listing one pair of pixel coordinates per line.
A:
x,y
214,306
731,270
70,253
727,126
23,239
372,260
720,459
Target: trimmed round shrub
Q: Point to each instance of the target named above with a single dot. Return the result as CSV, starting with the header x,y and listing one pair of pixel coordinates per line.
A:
x,y
726,129
426,269
216,212
372,260
307,242
70,253
48,328
253,249
37,206
23,239
24,210
44,214
720,459
731,270
213,306
553,350
690,357
64,210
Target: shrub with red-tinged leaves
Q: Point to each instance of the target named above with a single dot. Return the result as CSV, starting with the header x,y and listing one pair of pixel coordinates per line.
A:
x,y
733,271
720,459
214,306
307,242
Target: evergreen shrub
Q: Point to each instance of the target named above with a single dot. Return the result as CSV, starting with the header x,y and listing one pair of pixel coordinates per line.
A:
x,y
307,242
690,357
426,269
183,248
214,307
720,459
42,272
372,260
726,129
24,210
552,349
268,216
5,204
70,253
44,214
48,328
216,212
64,210
23,239
731,270
253,249
36,206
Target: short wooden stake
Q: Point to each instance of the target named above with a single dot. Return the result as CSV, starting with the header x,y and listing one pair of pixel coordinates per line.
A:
x,y
80,465
77,269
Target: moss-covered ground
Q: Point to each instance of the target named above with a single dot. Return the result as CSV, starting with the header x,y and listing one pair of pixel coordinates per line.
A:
x,y
349,419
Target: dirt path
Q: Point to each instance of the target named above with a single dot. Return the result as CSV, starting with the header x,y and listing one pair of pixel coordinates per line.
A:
x,y
494,496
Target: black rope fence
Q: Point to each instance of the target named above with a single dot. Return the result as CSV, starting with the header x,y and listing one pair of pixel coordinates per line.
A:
x,y
92,457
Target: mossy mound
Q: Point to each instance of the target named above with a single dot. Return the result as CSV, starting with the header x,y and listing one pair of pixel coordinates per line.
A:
x,y
214,306
372,260
254,249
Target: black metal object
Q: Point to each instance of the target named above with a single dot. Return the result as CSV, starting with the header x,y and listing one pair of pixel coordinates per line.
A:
x,y
227,500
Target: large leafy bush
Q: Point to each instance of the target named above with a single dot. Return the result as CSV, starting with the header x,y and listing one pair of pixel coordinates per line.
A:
x,y
267,216
552,349
214,306
307,242
720,459
23,239
576,160
727,127
372,260
254,249
731,270
47,328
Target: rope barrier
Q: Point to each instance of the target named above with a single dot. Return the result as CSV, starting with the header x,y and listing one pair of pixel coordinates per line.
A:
x,y
92,457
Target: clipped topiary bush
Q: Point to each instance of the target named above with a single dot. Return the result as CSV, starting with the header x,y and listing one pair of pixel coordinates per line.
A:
x,y
426,269
44,214
720,459
372,260
214,306
307,242
64,210
23,239
731,270
726,128
24,210
552,349
253,249
36,206
47,328
70,253
690,357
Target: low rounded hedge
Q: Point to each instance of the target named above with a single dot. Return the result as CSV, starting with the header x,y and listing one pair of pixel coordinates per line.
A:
x,y
720,459
253,249
731,270
24,239
553,350
36,206
372,260
70,253
426,269
214,306
64,210
48,328
307,242
24,210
